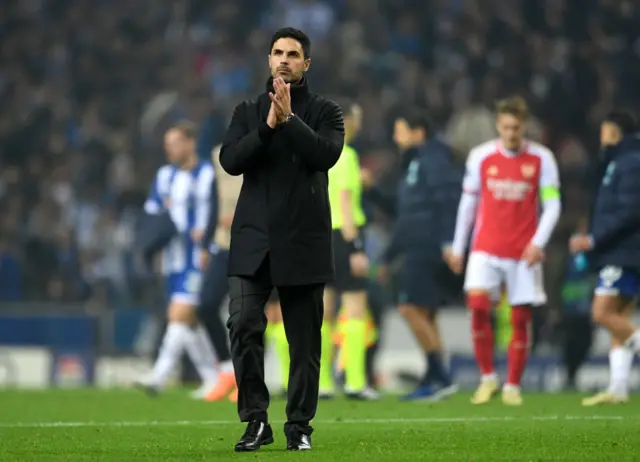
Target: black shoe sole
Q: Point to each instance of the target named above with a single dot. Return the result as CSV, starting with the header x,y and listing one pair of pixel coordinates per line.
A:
x,y
265,442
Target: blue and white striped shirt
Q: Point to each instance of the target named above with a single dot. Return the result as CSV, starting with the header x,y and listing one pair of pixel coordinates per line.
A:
x,y
186,195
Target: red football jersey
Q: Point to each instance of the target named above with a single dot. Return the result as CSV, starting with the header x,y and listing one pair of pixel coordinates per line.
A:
x,y
508,185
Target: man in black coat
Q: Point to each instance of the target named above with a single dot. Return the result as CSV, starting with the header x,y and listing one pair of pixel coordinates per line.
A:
x,y
283,143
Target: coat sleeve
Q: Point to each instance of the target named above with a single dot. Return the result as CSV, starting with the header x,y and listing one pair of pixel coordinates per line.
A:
x,y
396,244
242,149
385,202
443,186
319,150
627,218
212,223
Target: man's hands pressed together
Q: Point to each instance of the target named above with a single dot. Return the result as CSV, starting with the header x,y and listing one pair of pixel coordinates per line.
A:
x,y
272,119
280,102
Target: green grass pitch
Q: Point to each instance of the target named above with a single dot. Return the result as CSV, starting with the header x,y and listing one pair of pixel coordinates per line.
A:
x,y
124,425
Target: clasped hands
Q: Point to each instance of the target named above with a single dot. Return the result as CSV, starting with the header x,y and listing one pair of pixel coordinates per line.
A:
x,y
280,102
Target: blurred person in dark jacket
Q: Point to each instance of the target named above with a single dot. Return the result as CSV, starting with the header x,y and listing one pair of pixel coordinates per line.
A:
x,y
426,211
613,248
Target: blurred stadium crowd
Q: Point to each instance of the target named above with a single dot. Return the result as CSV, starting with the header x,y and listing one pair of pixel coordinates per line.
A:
x,y
88,87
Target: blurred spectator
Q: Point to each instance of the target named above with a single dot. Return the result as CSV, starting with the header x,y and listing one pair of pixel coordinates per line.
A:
x,y
10,273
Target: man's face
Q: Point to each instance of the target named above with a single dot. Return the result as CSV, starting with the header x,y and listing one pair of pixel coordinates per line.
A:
x,y
287,60
402,134
610,134
511,130
177,146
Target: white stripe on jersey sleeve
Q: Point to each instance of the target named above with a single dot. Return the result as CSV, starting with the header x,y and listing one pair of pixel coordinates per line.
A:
x,y
551,210
160,189
464,222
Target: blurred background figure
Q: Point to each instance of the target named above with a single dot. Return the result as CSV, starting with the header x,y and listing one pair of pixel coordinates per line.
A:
x,y
427,201
88,90
178,210
346,307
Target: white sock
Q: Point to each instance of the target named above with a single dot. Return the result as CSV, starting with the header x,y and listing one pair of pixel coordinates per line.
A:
x,y
173,345
620,360
200,351
633,342
493,377
226,366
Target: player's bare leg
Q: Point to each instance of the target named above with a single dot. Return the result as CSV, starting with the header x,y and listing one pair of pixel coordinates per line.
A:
x,y
419,325
423,323
183,333
606,313
354,344
620,361
517,355
443,375
327,382
173,345
479,303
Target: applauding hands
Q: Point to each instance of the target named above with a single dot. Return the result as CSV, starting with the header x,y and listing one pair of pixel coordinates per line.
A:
x,y
280,102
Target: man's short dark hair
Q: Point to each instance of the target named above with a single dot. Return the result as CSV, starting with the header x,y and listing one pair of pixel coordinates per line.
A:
x,y
296,34
417,118
187,128
623,119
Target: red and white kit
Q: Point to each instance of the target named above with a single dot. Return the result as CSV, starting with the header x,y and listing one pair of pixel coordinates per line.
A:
x,y
504,188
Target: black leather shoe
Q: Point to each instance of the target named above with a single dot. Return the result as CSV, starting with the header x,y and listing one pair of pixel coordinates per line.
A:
x,y
257,434
298,441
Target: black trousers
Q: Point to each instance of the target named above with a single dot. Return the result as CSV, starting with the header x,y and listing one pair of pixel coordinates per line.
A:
x,y
302,312
214,290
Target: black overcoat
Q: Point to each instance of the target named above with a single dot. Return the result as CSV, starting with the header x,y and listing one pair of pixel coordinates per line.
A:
x,y
283,208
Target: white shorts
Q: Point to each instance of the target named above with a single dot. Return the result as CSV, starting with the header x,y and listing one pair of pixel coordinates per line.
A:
x,y
523,283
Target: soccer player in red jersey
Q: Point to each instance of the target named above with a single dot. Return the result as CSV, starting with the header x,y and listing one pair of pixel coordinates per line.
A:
x,y
507,182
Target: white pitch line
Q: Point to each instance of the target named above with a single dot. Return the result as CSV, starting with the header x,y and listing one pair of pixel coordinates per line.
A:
x,y
434,420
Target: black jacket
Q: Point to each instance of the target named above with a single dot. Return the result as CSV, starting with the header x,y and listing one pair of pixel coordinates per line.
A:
x,y
615,221
153,233
283,208
428,197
